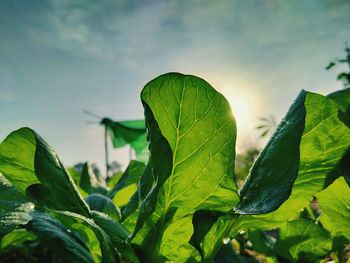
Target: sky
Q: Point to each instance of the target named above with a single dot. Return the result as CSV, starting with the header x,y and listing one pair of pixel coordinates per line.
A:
x,y
59,57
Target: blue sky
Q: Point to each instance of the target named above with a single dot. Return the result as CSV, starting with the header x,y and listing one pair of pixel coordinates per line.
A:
x,y
58,57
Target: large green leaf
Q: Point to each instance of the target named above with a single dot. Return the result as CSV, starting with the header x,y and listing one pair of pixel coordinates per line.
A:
x,y
33,167
55,191
271,178
108,250
325,140
110,233
302,240
61,241
192,142
334,203
15,209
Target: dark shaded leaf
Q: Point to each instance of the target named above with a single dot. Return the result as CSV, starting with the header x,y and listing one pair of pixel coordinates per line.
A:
x,y
103,204
62,241
302,240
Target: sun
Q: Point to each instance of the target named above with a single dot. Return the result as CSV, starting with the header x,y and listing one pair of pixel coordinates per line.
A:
x,y
240,110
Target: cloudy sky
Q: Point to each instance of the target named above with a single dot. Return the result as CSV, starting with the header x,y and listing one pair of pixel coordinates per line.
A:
x,y
58,57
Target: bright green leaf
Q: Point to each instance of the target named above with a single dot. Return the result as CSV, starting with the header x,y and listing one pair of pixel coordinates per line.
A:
x,y
302,240
334,203
131,176
16,238
192,142
17,153
211,232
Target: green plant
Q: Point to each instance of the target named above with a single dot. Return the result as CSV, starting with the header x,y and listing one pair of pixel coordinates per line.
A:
x,y
186,201
343,76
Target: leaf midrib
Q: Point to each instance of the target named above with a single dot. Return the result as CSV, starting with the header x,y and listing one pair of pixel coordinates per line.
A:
x,y
167,194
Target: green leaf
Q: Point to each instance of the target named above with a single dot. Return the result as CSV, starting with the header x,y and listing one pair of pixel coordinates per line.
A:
x,y
117,234
61,241
85,233
15,209
330,65
192,142
17,153
33,167
16,238
109,252
103,204
123,196
89,181
132,175
112,181
127,185
271,178
131,210
74,174
334,203
302,240
261,242
210,233
111,234
325,140
342,98
228,255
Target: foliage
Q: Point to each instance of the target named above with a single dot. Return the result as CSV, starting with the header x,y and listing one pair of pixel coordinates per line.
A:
x,y
184,203
343,76
267,125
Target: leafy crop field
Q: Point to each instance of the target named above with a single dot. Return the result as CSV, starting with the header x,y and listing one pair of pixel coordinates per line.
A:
x,y
184,205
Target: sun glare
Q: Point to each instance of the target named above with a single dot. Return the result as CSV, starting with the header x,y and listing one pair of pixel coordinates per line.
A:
x,y
240,111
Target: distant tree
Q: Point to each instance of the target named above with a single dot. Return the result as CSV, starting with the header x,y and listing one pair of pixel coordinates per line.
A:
x,y
343,76
267,125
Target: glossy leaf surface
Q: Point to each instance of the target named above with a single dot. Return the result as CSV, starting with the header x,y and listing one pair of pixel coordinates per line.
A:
x,y
15,209
62,241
